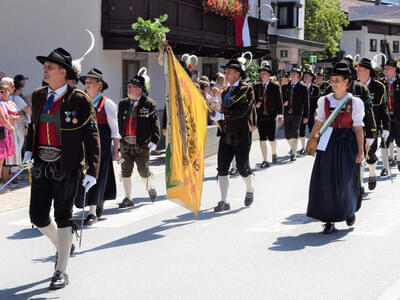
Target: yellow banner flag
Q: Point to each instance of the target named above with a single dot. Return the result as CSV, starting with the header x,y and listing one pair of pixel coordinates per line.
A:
x,y
186,137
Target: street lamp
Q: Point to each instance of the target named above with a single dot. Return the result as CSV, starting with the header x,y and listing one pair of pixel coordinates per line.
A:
x,y
273,18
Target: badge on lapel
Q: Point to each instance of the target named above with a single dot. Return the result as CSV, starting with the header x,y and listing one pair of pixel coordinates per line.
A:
x,y
67,116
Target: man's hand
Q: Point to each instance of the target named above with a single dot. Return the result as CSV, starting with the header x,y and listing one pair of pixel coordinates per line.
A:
x,y
217,117
369,141
258,105
117,156
152,146
286,103
305,120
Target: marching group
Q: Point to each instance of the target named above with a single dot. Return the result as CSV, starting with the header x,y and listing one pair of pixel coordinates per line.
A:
x,y
72,137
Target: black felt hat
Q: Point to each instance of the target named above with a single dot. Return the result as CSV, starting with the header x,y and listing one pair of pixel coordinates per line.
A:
x,y
341,69
366,63
97,74
235,65
60,57
266,67
295,69
139,81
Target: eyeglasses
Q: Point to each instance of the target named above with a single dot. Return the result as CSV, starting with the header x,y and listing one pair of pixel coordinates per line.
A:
x,y
337,81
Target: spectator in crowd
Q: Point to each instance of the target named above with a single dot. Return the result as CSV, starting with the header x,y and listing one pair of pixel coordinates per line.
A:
x,y
6,128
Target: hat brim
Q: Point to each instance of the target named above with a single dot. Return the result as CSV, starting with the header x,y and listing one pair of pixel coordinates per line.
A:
x,y
43,59
373,73
82,79
236,68
267,70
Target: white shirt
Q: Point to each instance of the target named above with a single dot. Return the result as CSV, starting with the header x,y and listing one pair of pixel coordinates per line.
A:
x,y
308,85
235,84
58,92
112,117
357,113
265,85
19,102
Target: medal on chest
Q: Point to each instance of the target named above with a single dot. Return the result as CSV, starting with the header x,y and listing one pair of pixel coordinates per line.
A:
x,y
67,116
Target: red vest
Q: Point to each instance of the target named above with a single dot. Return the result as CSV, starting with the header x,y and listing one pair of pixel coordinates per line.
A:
x,y
391,97
101,116
48,131
130,124
344,119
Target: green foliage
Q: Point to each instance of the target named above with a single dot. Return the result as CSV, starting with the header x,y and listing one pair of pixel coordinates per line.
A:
x,y
150,35
324,22
252,71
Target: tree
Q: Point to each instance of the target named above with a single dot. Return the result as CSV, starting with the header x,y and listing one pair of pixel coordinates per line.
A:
x,y
324,22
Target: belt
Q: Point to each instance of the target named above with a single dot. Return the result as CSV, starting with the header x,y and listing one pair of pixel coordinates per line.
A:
x,y
49,154
130,139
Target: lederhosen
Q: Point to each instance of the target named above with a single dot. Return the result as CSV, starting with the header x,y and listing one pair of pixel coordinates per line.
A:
x,y
105,187
313,96
49,180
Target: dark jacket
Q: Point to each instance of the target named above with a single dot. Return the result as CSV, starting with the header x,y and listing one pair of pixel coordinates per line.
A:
x,y
381,112
147,124
78,141
360,90
313,96
322,88
395,114
239,111
300,99
273,94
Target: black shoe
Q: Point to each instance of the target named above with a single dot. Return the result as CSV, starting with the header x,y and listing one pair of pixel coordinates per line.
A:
x,y
292,157
222,206
371,183
398,165
71,252
264,164
153,194
328,228
59,280
384,172
233,172
90,220
362,190
350,221
248,200
274,158
126,203
302,151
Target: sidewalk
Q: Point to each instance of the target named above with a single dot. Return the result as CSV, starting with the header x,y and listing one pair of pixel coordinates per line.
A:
x,y
19,194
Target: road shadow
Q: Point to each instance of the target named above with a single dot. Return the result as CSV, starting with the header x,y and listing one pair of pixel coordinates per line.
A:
x,y
18,292
210,178
310,239
297,219
27,233
158,161
154,233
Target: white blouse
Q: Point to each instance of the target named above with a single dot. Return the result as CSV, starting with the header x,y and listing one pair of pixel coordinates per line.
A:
x,y
112,117
357,113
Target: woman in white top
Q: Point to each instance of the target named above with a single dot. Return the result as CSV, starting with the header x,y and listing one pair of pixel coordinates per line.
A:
x,y
335,194
106,115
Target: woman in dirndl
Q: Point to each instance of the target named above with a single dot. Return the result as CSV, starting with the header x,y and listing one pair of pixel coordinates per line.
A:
x,y
107,121
334,194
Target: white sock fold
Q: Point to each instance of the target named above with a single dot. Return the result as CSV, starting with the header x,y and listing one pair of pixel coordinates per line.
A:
x,y
391,150
294,145
223,182
303,142
50,231
263,146
148,181
64,242
92,209
127,183
249,183
398,153
372,170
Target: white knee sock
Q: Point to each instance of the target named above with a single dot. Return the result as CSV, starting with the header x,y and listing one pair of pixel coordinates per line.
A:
x,y
92,209
223,182
51,232
64,242
263,146
303,142
233,163
273,147
127,183
294,146
372,169
249,184
385,158
398,153
148,181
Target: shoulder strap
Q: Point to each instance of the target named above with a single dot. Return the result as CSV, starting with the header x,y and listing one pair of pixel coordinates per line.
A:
x,y
333,115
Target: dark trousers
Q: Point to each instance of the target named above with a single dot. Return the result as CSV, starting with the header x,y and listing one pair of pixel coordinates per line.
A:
x,y
237,146
292,126
303,126
266,129
394,132
45,189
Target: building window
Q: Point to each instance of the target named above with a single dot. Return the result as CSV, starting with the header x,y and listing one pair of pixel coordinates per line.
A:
x,y
373,43
288,14
395,46
383,46
284,53
129,69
